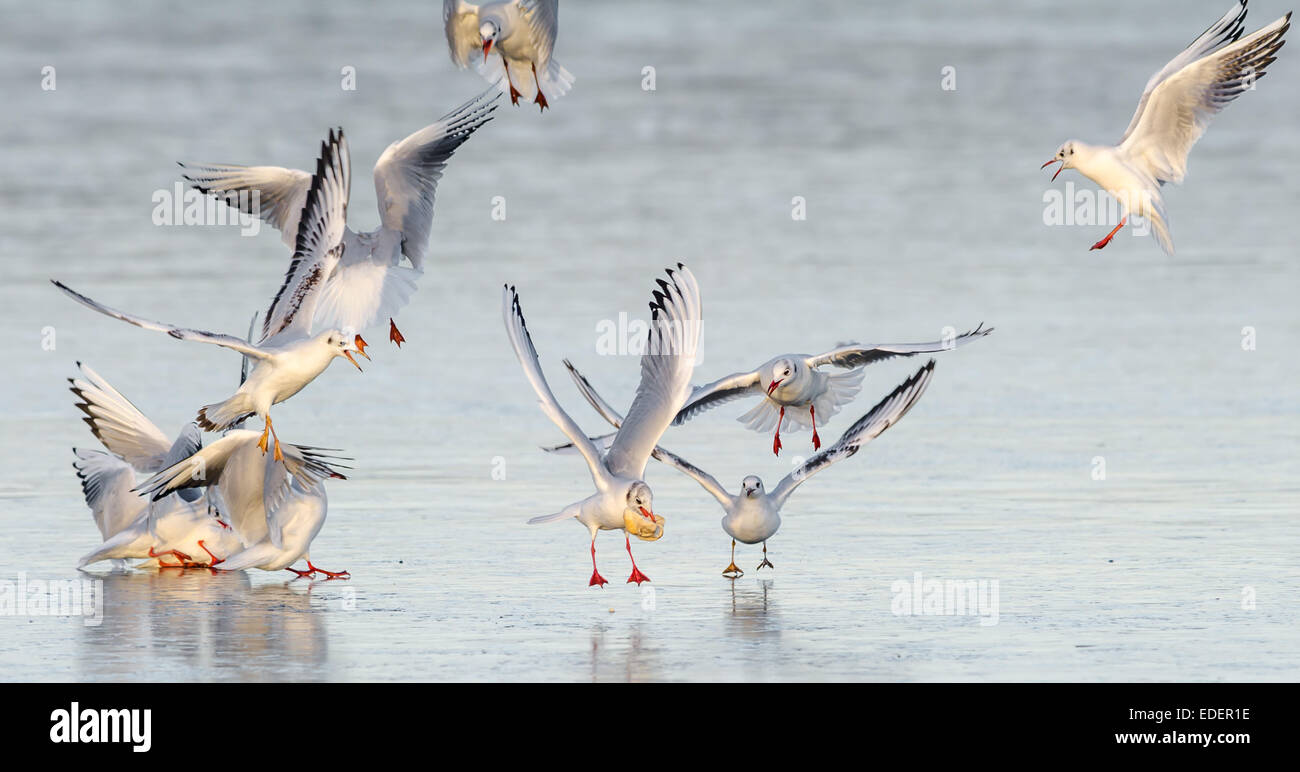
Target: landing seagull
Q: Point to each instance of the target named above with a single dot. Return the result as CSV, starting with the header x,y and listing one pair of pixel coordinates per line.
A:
x,y
755,515
622,500
182,528
289,356
1174,111
522,35
369,285
794,392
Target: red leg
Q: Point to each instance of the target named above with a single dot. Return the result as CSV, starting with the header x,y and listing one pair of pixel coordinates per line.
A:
x,y
1110,235
394,334
817,441
636,576
776,441
514,92
540,99
301,574
329,574
596,579
181,556
212,559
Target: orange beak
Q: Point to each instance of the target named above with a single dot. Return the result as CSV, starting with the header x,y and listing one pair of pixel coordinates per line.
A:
x,y
487,46
361,346
772,387
1053,161
348,354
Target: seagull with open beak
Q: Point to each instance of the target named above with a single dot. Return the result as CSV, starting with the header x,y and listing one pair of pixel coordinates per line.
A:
x,y
516,38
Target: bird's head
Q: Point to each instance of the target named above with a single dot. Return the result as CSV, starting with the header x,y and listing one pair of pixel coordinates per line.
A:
x,y
639,518
345,344
488,31
751,487
1065,156
782,370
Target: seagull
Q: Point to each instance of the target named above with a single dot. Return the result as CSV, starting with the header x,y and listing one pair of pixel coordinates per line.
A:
x,y
289,356
180,527
369,283
755,515
1174,111
522,32
275,509
622,500
794,392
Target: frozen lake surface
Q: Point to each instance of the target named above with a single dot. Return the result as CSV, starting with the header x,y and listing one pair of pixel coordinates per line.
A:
x,y
924,212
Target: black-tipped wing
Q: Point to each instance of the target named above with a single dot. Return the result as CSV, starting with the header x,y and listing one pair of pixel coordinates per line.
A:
x,y
858,355
885,414
273,193
719,392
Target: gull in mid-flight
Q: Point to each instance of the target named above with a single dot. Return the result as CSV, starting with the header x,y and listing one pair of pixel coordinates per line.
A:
x,y
179,528
521,34
1175,109
622,500
275,509
289,356
369,285
754,515
793,391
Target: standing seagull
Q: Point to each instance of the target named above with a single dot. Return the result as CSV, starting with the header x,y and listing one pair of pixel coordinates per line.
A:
x,y
1174,111
369,285
180,527
794,392
523,35
755,515
288,357
622,500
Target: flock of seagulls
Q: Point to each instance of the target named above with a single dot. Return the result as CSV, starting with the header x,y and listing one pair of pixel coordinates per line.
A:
x,y
248,500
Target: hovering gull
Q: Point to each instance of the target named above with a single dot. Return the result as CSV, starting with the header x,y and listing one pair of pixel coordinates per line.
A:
x,y
622,500
369,283
180,527
1174,111
523,35
795,393
276,509
755,515
288,357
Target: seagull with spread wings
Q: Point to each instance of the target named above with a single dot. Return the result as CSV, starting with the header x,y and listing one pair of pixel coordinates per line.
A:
x,y
289,355
369,285
180,528
754,515
794,392
622,500
1176,107
521,34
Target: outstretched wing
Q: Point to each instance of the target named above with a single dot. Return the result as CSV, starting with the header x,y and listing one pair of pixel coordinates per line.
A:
x,y
460,21
272,193
720,392
1177,107
106,482
522,343
857,355
117,423
319,244
706,480
666,367
542,17
308,465
180,333
407,174
885,414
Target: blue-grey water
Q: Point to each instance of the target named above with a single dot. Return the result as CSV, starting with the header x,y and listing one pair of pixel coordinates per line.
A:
x,y
924,211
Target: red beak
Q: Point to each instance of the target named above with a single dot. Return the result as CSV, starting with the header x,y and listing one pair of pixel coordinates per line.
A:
x,y
772,387
487,46
647,513
1053,161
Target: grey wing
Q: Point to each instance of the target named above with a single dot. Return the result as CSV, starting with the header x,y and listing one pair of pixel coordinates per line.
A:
x,y
858,355
706,480
719,392
280,192
460,22
666,367
180,333
543,20
107,482
1219,34
302,471
885,414
407,174
117,423
319,244
522,343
